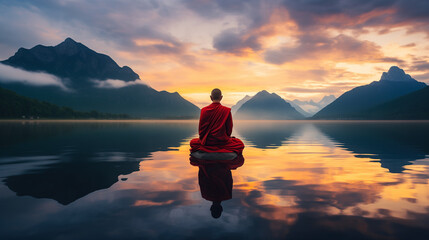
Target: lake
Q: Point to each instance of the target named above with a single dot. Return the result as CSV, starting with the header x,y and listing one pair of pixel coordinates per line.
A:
x,y
134,180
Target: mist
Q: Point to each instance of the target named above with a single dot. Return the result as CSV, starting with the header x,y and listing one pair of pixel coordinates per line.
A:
x,y
10,74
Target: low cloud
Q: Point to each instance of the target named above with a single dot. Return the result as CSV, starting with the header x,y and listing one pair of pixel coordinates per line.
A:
x,y
10,74
114,83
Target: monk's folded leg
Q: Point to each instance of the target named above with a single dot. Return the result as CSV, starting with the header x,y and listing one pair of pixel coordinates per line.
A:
x,y
195,144
235,145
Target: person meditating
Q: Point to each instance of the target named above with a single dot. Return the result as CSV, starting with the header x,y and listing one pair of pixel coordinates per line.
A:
x,y
215,129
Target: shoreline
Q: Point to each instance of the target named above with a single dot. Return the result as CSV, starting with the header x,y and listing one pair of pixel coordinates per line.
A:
x,y
195,120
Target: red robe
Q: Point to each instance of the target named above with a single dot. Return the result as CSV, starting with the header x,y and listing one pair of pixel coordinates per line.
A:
x,y
215,130
215,179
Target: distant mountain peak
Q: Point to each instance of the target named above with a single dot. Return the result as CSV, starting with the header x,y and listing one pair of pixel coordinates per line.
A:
x,y
396,74
327,97
72,60
239,104
326,100
69,39
266,94
263,92
68,42
269,106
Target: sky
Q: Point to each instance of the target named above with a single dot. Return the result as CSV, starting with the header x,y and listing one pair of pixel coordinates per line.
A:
x,y
300,49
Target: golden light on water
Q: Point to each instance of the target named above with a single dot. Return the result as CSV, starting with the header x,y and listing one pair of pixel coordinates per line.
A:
x,y
308,166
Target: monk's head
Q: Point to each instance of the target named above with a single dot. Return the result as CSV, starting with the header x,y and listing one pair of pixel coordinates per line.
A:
x,y
216,95
216,209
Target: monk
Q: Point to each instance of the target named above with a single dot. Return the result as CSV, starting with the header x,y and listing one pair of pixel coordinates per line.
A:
x,y
215,129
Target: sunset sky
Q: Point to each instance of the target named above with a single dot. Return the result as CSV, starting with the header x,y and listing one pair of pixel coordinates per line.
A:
x,y
297,48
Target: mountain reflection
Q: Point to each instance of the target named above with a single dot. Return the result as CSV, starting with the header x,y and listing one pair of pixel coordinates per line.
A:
x,y
68,181
395,145
84,157
266,134
137,139
215,180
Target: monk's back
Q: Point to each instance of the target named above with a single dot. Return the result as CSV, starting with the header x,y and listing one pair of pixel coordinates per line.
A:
x,y
215,124
215,129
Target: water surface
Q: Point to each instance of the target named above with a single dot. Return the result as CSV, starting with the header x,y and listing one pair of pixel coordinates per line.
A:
x,y
134,180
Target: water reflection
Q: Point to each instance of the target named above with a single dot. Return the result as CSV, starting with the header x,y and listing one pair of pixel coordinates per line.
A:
x,y
68,180
319,181
215,181
79,158
393,144
83,140
266,134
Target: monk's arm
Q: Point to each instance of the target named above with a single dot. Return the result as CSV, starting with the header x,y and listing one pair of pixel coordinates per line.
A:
x,y
229,125
200,124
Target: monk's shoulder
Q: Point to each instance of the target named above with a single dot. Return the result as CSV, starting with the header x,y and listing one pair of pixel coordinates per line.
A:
x,y
226,108
206,108
215,106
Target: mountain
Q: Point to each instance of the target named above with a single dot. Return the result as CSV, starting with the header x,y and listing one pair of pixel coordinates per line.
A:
x,y
326,100
393,84
292,103
268,107
411,106
13,105
311,107
94,82
70,59
239,104
299,109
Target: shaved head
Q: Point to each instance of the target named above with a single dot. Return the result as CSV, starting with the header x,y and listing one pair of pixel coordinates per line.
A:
x,y
216,94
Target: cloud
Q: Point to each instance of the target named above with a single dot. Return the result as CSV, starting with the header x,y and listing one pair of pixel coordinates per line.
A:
x,y
408,45
358,14
114,83
10,74
315,17
420,65
252,17
233,42
309,90
117,22
340,48
422,77
391,60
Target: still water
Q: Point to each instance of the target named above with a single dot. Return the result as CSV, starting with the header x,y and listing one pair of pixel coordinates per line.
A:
x,y
134,180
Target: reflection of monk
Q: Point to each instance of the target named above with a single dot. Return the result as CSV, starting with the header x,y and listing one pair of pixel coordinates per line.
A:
x,y
215,181
215,128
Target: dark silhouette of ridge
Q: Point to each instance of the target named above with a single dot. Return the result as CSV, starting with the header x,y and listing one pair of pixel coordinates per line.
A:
x,y
393,84
414,105
15,106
